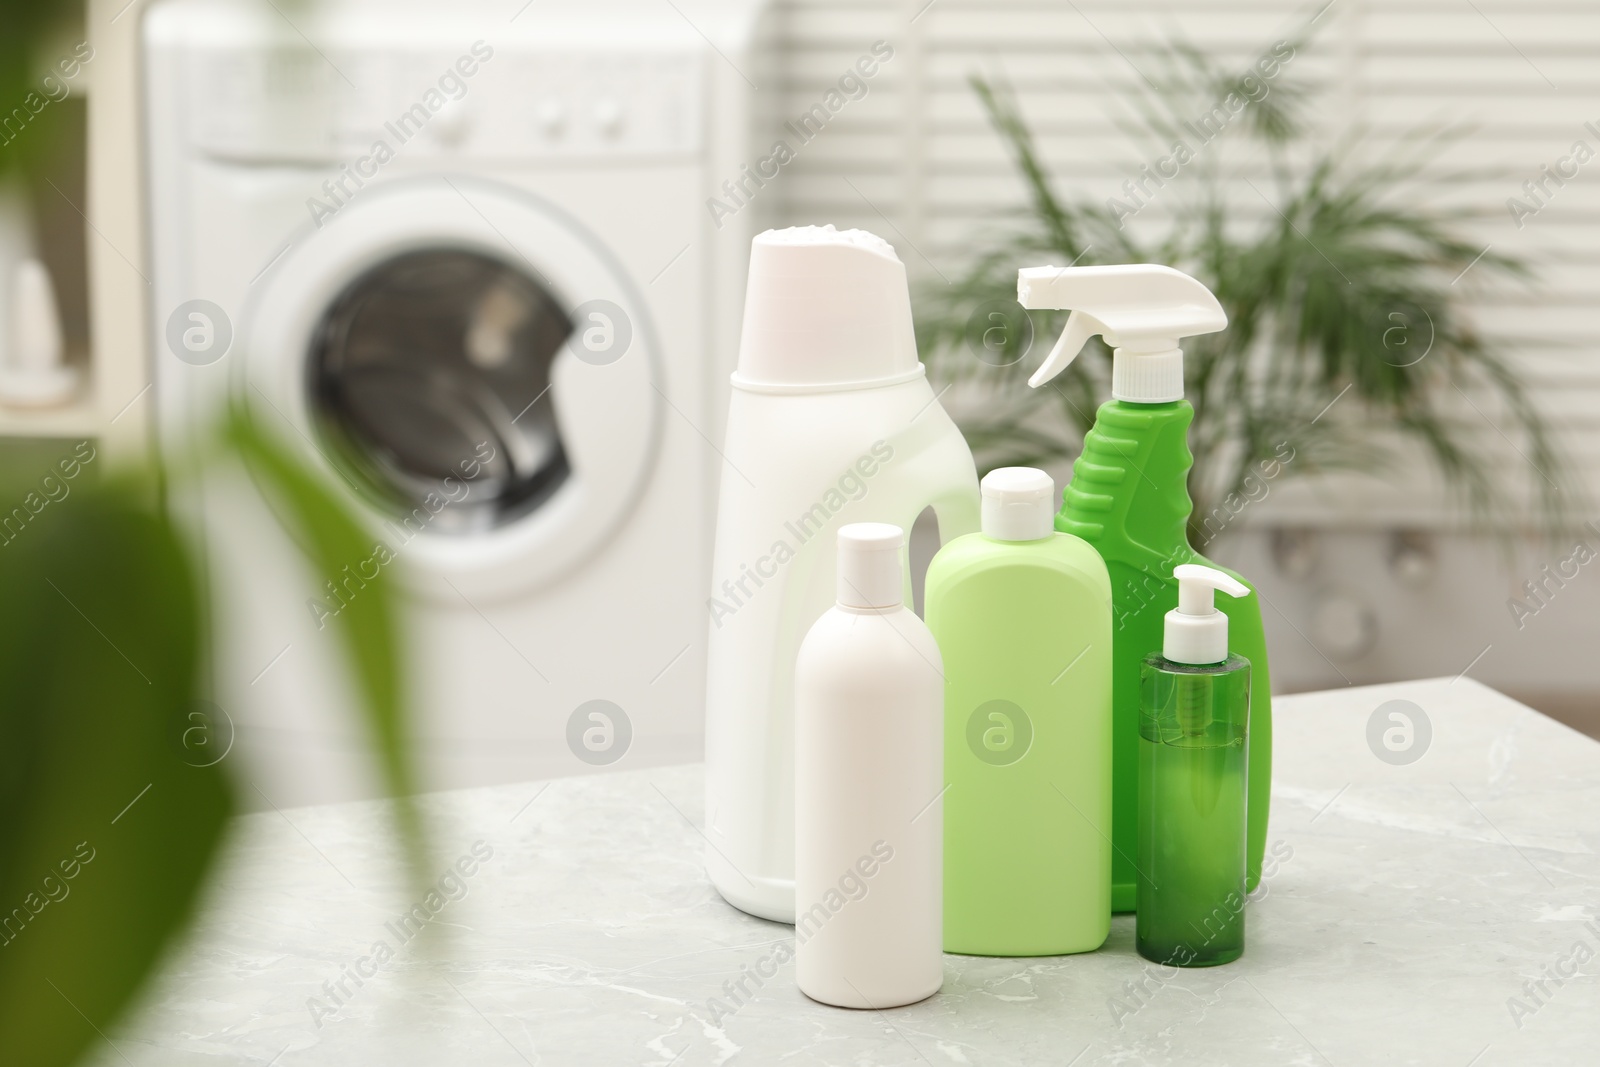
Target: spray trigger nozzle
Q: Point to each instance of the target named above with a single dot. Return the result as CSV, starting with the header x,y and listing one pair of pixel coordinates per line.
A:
x,y
1141,309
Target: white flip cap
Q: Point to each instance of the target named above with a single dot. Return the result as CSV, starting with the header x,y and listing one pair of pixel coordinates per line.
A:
x,y
1018,504
1196,632
869,565
1141,309
824,310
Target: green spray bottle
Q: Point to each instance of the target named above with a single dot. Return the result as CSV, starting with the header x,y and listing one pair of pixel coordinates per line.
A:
x,y
1129,498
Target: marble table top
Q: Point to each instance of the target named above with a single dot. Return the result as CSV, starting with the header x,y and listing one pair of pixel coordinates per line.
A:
x,y
1432,909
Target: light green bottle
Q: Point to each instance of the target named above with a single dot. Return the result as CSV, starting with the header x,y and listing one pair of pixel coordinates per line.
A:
x,y
1022,615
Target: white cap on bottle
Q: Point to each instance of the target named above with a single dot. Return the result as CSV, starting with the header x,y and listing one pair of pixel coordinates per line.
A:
x,y
869,570
1196,632
1019,504
825,310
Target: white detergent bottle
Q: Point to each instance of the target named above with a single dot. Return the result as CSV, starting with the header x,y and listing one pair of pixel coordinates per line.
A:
x,y
832,421
869,768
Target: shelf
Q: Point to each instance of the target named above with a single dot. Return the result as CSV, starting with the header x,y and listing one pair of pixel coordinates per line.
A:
x,y
78,418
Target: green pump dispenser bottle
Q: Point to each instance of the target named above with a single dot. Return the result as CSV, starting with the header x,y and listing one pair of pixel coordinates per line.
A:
x,y
1194,746
1129,498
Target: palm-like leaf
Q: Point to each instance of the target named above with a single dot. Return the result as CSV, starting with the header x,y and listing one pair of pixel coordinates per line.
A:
x,y
114,795
332,539
113,811
1350,293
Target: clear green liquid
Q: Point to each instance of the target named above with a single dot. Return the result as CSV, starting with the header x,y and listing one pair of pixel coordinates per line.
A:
x,y
1192,819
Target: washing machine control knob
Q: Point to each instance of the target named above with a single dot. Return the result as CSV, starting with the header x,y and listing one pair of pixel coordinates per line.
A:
x,y
608,116
551,116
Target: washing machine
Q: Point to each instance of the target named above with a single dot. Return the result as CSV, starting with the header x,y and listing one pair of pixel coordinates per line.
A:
x,y
460,259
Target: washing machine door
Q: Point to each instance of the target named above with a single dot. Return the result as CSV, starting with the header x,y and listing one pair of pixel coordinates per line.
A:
x,y
472,367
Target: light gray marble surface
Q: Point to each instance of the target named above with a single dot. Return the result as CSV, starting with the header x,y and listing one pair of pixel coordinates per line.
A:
x,y
1412,904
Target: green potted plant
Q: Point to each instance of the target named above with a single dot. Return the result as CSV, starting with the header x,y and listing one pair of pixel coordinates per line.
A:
x,y
1349,343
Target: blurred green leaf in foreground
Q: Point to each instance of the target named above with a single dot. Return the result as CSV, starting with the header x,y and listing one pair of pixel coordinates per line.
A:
x,y
113,787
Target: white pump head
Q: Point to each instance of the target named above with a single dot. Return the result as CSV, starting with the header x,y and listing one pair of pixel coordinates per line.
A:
x,y
1196,632
1141,309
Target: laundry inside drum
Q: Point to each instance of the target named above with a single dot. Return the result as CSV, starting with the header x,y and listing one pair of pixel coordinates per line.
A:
x,y
430,376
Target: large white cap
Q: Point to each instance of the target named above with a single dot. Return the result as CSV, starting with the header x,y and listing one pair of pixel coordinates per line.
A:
x,y
825,309
34,374
1018,504
869,565
1196,632
1141,309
